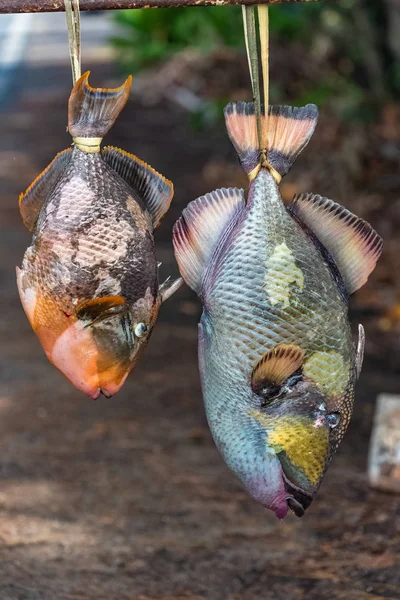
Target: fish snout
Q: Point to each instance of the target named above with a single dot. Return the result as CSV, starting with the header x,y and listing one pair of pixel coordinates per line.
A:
x,y
92,364
299,500
289,496
303,448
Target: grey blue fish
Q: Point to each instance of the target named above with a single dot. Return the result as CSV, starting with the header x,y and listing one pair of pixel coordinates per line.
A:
x,y
277,360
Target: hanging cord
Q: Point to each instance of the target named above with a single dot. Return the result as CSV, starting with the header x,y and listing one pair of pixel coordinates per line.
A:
x,y
74,37
252,57
263,23
246,40
249,23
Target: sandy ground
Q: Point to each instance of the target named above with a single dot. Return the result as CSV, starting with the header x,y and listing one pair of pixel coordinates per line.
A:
x,y
128,499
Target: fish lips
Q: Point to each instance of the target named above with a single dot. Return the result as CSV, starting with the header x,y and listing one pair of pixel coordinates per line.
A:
x,y
298,500
90,366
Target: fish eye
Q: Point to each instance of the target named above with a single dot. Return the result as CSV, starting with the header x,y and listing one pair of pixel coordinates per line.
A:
x,y
140,329
333,420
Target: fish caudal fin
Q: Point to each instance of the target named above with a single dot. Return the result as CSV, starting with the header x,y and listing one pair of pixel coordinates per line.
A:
x,y
288,131
153,189
93,111
32,201
353,243
196,233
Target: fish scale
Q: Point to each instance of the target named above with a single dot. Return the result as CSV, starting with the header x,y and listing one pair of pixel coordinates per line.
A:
x,y
277,362
89,281
253,325
87,217
240,286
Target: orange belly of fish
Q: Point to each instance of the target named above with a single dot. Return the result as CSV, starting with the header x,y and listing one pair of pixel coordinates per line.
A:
x,y
71,348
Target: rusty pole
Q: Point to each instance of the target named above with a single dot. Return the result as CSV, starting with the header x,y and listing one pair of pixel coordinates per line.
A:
x,y
33,6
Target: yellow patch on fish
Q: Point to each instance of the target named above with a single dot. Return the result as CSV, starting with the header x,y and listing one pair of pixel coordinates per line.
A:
x,y
303,440
281,273
328,370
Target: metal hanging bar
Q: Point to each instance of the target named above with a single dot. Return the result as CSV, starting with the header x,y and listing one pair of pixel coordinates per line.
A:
x,y
33,6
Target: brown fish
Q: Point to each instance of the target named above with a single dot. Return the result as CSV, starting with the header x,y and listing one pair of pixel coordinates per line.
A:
x,y
89,280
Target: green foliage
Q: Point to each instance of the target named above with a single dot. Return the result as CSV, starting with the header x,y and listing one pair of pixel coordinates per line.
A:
x,y
349,35
155,35
294,21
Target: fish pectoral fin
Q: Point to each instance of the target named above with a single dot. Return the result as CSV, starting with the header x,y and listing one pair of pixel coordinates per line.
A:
x,y
287,131
360,350
154,190
275,368
197,231
353,243
99,309
32,201
169,287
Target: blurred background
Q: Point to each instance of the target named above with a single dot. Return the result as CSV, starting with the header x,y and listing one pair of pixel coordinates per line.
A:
x,y
128,499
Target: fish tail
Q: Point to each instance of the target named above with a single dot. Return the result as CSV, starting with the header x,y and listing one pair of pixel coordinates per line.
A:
x,y
93,111
287,131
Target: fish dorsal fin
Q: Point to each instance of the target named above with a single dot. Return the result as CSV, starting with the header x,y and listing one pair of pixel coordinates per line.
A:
x,y
276,366
97,309
197,231
289,131
154,190
31,201
353,243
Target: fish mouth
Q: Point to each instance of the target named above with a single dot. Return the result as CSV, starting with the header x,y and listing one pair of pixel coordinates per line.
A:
x,y
90,368
109,392
298,500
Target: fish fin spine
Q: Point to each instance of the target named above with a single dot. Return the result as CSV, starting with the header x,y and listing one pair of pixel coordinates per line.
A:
x,y
353,244
197,231
360,350
32,200
169,287
93,111
154,190
289,131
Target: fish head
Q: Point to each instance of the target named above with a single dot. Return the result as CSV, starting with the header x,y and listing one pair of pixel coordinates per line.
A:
x,y
94,344
103,343
302,423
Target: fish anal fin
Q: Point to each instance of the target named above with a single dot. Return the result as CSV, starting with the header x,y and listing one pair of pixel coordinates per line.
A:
x,y
276,366
353,243
289,129
93,111
155,191
98,309
31,201
197,231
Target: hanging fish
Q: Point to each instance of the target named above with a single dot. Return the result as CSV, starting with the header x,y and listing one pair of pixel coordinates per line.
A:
x,y
276,356
89,280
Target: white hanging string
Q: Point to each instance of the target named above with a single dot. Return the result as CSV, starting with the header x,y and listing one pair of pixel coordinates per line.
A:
x,y
250,35
74,37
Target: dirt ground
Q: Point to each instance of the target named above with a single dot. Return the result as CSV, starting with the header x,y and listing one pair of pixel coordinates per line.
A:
x,y
127,498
